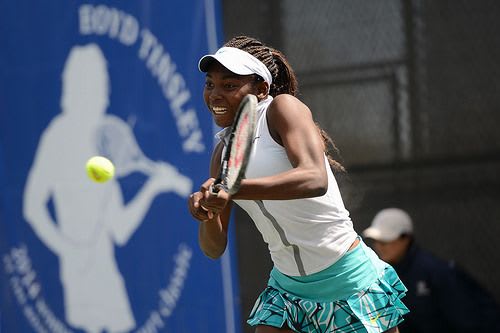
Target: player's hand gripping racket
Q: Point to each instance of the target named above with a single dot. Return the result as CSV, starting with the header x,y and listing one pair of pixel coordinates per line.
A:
x,y
237,154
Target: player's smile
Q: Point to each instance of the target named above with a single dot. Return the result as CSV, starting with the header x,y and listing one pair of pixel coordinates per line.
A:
x,y
218,110
222,115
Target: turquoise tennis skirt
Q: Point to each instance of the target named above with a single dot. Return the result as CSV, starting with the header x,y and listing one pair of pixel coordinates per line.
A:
x,y
358,293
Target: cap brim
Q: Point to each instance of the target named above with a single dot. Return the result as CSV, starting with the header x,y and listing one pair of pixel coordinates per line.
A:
x,y
205,62
231,63
236,61
378,235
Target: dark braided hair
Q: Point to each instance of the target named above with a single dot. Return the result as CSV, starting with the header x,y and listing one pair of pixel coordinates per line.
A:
x,y
284,82
284,79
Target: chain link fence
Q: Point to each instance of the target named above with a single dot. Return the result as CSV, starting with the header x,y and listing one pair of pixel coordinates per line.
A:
x,y
408,91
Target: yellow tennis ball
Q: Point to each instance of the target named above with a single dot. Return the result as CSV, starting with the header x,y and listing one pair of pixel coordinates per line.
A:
x,y
100,169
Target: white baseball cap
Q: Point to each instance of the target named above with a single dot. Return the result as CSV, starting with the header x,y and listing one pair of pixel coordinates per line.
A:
x,y
389,224
238,62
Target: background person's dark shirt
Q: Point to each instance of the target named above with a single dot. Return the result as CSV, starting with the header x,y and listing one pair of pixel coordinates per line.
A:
x,y
443,298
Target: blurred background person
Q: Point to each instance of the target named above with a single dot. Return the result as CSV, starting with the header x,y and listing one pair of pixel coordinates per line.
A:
x,y
441,296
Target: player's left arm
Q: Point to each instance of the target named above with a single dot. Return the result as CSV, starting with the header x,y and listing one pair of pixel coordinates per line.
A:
x,y
212,232
291,125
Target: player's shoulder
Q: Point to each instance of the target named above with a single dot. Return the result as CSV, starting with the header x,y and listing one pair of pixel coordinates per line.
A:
x,y
285,99
285,104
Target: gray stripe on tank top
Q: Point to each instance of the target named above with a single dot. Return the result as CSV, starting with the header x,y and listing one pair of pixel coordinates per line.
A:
x,y
284,240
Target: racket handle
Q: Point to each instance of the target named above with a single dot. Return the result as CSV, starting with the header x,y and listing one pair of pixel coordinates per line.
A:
x,y
218,183
216,187
213,189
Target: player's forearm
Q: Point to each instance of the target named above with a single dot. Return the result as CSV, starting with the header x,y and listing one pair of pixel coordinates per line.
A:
x,y
296,183
212,238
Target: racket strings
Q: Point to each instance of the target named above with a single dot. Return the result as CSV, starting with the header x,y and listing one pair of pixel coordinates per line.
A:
x,y
117,142
242,140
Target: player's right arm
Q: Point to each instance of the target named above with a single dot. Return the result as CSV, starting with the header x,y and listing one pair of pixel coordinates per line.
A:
x,y
212,232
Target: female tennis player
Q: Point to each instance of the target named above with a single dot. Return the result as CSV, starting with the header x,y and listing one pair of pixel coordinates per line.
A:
x,y
324,279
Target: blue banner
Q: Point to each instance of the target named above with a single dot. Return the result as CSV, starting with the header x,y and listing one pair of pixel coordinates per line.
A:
x,y
118,79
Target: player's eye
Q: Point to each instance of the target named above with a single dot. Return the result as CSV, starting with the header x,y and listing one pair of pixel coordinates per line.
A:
x,y
230,85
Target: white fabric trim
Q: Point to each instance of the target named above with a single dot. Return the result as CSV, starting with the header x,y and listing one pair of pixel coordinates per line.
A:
x,y
238,62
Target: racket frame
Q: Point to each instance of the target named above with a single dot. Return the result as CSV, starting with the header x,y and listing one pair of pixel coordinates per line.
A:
x,y
247,107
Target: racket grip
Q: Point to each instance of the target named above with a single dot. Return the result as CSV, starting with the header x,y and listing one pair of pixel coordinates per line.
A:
x,y
216,186
213,189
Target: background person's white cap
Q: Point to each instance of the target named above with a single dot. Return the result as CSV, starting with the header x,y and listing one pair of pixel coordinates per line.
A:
x,y
389,224
238,62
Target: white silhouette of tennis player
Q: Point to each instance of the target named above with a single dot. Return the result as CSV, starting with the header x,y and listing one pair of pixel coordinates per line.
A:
x,y
89,219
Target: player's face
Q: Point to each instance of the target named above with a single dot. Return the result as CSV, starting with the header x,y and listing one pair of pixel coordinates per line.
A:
x,y
224,91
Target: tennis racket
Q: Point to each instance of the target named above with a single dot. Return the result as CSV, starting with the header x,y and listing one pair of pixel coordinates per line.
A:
x,y
238,149
116,141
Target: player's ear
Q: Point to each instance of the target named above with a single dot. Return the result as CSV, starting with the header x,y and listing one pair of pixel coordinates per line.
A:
x,y
262,90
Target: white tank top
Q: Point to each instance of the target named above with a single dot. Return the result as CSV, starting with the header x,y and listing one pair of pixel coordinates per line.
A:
x,y
304,236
